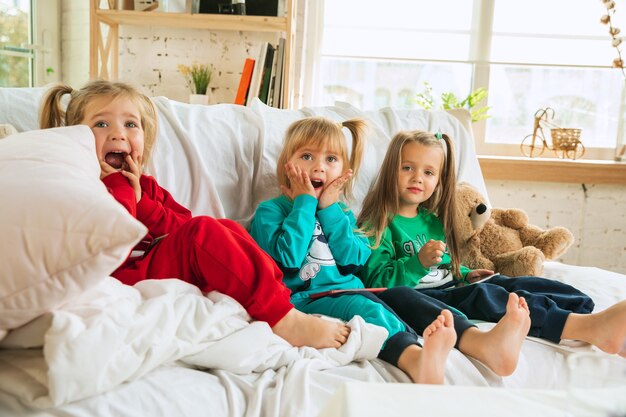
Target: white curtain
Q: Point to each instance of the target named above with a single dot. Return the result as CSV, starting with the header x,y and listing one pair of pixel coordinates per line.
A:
x,y
309,34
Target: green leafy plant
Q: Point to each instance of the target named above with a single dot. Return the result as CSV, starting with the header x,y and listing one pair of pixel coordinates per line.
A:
x,y
449,100
197,77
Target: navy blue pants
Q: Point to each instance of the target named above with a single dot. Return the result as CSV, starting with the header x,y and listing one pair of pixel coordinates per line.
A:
x,y
418,310
407,314
549,301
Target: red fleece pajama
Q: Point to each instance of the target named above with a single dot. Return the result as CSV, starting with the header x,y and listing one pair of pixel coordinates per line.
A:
x,y
212,254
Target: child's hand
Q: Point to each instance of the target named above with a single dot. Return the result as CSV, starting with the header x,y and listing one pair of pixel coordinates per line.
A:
x,y
431,253
299,182
477,275
134,173
331,192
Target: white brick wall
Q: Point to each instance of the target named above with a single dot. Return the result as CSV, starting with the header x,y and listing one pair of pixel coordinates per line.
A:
x,y
149,56
595,214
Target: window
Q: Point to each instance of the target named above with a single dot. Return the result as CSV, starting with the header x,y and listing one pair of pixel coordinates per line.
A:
x,y
528,55
29,42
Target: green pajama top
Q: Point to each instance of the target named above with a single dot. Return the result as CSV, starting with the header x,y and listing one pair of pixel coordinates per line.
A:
x,y
395,261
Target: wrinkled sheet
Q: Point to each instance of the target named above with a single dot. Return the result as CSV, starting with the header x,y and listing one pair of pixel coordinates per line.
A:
x,y
115,334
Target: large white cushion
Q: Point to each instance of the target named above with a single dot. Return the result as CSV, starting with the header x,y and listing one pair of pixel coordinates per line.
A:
x,y
62,232
20,107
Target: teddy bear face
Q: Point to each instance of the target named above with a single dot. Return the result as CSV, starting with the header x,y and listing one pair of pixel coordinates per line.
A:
x,y
471,211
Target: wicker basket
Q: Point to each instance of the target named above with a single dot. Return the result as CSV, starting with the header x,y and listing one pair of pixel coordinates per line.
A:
x,y
565,138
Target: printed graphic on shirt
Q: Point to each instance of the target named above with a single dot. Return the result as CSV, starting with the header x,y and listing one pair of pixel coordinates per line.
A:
x,y
319,255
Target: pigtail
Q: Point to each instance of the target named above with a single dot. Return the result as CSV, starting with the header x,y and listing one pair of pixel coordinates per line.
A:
x,y
149,121
357,130
52,113
446,205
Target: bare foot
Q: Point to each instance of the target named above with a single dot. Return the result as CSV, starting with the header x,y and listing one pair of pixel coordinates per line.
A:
x,y
606,329
301,329
428,364
499,348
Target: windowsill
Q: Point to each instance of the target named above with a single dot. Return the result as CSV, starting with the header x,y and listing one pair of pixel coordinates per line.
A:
x,y
552,170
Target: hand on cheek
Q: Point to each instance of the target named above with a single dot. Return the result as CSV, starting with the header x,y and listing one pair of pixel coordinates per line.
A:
x,y
331,192
299,182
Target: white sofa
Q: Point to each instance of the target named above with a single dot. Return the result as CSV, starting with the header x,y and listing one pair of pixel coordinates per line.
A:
x,y
91,346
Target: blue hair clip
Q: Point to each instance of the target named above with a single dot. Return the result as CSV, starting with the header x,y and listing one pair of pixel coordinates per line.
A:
x,y
438,134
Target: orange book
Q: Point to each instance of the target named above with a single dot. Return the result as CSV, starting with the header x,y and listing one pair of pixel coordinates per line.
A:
x,y
244,82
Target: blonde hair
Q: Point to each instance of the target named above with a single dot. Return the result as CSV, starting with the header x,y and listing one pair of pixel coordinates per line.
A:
x,y
53,115
321,132
383,201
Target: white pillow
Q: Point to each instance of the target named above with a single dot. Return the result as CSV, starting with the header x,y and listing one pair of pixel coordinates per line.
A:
x,y
20,107
62,232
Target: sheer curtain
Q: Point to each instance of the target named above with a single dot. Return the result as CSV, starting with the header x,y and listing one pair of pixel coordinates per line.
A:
x,y
308,46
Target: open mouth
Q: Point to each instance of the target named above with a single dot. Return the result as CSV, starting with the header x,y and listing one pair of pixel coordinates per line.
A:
x,y
317,184
117,159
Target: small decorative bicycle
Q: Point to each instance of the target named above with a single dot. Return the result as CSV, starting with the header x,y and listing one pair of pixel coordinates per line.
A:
x,y
565,141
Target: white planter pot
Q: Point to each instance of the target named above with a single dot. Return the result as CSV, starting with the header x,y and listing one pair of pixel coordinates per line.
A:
x,y
198,99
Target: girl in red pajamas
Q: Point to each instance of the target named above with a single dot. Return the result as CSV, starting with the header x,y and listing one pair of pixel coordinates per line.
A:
x,y
212,254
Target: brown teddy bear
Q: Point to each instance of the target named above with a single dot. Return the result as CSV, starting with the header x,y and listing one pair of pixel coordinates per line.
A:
x,y
501,239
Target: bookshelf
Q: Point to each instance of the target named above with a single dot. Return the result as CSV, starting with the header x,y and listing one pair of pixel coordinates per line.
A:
x,y
105,22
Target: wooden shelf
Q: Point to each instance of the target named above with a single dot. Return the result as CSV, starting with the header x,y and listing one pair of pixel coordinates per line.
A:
x,y
103,55
193,21
553,170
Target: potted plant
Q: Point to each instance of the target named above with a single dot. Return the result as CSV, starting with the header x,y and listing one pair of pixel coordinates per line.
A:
x,y
449,100
197,78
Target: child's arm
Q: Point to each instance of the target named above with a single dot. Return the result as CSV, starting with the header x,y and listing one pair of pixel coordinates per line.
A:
x,y
350,250
285,235
385,269
157,209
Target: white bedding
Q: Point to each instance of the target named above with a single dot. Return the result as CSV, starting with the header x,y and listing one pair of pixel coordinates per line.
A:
x,y
163,349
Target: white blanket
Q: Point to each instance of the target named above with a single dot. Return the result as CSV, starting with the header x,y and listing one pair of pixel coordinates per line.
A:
x,y
116,333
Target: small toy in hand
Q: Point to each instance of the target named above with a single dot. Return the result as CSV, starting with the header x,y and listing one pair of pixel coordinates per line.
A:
x,y
501,239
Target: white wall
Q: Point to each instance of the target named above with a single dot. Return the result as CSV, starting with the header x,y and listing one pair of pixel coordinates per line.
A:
x,y
149,56
75,42
595,214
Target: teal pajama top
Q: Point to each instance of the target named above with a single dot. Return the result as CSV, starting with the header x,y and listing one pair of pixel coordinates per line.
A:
x,y
318,250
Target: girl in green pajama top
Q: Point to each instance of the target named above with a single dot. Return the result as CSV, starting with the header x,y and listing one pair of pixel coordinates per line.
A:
x,y
313,238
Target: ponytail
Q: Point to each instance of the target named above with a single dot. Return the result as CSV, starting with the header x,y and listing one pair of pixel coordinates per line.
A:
x,y
357,130
52,113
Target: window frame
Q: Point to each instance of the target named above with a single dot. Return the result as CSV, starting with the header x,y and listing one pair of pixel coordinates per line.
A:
x,y
43,49
46,35
480,49
481,32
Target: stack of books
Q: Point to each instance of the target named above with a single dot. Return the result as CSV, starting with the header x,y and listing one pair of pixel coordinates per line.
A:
x,y
263,77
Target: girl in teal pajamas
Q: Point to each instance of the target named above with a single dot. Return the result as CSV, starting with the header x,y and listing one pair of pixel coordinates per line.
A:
x,y
312,236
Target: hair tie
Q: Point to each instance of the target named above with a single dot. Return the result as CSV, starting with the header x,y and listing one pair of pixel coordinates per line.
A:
x,y
340,124
438,134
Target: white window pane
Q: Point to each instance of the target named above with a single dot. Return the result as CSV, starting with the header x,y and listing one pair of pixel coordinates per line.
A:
x,y
397,29
372,84
430,15
552,51
549,17
581,98
552,32
393,43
